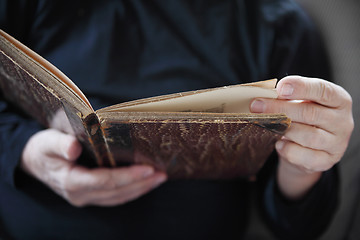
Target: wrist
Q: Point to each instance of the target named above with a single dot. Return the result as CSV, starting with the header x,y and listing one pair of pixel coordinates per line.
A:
x,y
294,183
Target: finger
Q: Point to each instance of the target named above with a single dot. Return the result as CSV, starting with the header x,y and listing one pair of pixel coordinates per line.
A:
x,y
56,143
312,137
125,193
74,149
307,159
301,112
313,89
81,179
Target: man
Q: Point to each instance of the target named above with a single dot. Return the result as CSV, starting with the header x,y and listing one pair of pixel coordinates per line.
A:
x,y
121,50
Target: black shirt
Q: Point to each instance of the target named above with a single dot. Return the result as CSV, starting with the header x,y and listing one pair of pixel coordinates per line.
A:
x,y
122,50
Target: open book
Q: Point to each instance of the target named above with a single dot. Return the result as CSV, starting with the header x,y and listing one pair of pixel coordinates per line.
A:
x,y
207,133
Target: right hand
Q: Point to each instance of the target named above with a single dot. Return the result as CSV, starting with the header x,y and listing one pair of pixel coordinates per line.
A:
x,y
50,156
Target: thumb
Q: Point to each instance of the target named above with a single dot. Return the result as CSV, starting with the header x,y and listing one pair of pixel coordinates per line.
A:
x,y
62,145
73,148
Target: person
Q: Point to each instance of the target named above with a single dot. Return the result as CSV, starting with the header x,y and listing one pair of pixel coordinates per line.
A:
x,y
117,51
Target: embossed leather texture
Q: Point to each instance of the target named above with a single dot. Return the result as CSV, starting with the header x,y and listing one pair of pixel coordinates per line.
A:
x,y
209,146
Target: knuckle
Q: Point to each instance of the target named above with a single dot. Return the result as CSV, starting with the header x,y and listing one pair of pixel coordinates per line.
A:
x,y
351,121
344,131
347,127
347,101
351,126
326,91
348,123
300,81
338,151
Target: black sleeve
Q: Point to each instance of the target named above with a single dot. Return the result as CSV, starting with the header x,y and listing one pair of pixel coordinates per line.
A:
x,y
15,130
306,218
298,50
15,127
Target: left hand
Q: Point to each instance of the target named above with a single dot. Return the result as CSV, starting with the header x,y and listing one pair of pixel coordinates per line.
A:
x,y
319,134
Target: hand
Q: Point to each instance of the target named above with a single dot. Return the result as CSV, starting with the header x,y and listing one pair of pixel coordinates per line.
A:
x,y
50,156
321,127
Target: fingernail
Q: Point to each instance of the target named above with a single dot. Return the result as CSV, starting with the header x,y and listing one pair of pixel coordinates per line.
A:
x,y
257,106
287,90
279,145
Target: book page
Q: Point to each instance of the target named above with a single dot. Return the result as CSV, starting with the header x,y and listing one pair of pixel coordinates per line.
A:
x,y
64,80
230,99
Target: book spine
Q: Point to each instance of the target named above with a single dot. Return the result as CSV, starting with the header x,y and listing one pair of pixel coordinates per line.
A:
x,y
96,137
87,129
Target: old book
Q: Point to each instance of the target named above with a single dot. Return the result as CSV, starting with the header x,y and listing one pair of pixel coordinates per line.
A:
x,y
208,133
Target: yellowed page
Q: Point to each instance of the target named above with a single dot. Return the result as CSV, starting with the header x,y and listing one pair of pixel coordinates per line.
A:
x,y
229,99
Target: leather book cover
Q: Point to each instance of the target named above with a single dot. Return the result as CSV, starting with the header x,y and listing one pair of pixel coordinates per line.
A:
x,y
202,134
22,88
194,145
